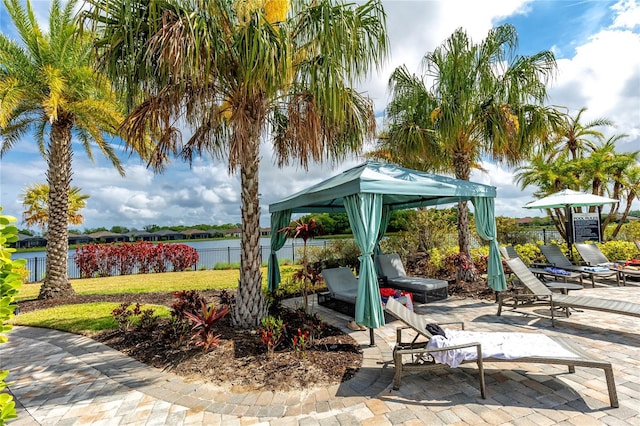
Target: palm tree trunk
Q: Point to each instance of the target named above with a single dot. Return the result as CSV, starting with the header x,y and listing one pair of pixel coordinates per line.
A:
x,y
250,303
624,216
56,282
462,166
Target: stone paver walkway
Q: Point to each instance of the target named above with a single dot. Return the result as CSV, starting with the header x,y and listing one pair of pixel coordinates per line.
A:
x,y
64,379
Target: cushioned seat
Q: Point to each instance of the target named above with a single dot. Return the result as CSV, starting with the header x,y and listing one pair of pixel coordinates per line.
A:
x,y
423,289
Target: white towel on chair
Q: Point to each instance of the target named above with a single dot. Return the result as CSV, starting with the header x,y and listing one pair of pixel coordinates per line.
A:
x,y
495,345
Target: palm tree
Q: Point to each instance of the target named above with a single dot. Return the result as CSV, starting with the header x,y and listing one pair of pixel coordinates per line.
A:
x,y
238,72
631,189
48,86
576,137
35,200
473,100
550,175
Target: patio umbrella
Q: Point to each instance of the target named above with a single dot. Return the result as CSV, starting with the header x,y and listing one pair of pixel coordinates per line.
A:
x,y
568,198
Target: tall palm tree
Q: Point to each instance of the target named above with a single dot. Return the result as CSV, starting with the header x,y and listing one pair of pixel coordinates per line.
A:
x,y
238,72
48,87
35,200
473,100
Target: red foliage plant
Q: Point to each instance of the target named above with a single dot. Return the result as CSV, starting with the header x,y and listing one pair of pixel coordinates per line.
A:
x,y
127,258
203,325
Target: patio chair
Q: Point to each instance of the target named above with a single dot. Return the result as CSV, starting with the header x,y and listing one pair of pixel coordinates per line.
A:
x,y
539,294
421,354
543,271
424,289
343,290
554,256
592,255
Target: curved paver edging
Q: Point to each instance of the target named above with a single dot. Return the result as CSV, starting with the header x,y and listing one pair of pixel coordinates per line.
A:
x,y
63,379
62,353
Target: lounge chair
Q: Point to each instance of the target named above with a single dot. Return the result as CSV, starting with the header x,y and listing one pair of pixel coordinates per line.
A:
x,y
343,290
554,256
423,289
544,270
421,358
540,294
341,283
592,255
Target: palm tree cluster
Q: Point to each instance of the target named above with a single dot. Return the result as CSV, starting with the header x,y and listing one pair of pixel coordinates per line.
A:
x,y
233,74
580,157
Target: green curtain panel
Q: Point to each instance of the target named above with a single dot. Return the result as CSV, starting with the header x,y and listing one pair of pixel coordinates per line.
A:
x,y
486,227
278,221
365,215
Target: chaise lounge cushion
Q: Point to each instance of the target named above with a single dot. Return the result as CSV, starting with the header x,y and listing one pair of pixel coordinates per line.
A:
x,y
423,289
342,284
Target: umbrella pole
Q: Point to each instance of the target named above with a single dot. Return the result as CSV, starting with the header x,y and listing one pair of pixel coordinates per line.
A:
x,y
570,231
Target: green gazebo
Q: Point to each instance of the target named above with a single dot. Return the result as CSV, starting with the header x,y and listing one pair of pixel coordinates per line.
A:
x,y
368,193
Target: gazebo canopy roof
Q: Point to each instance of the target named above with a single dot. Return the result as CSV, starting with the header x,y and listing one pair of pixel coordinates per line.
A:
x,y
401,189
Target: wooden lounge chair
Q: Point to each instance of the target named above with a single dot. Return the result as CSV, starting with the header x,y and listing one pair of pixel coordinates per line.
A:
x,y
539,294
423,289
421,359
544,270
554,256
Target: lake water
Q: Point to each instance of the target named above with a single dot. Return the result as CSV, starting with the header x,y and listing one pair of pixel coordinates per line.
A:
x,y
210,252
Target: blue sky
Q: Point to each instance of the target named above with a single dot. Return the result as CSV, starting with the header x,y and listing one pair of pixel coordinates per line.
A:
x,y
596,44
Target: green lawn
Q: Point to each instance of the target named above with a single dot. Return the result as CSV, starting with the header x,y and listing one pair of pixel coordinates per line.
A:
x,y
149,283
84,319
92,317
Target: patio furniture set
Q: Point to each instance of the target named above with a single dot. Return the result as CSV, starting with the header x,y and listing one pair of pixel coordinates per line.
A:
x,y
426,351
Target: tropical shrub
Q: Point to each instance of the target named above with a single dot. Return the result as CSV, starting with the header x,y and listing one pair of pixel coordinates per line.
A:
x,y
619,250
129,318
204,325
127,258
272,333
339,252
10,282
529,253
508,232
630,231
302,340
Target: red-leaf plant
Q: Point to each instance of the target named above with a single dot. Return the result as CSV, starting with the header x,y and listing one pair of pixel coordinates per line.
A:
x,y
272,333
305,231
203,325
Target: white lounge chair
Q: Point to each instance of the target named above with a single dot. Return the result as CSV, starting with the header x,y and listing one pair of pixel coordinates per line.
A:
x,y
421,358
424,289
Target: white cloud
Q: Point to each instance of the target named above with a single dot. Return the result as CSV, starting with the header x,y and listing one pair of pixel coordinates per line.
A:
x,y
628,14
